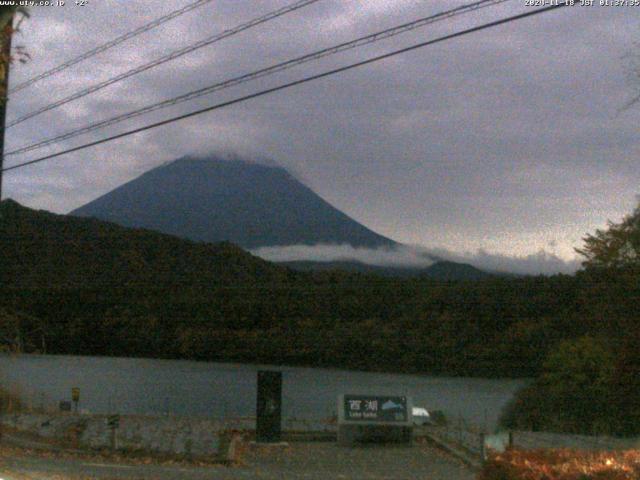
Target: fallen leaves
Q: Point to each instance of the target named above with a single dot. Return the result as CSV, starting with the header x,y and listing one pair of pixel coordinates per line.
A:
x,y
133,458
562,464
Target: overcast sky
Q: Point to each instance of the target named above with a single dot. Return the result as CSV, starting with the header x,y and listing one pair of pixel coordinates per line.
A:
x,y
506,142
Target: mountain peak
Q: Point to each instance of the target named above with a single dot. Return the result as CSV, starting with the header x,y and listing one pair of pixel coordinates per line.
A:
x,y
213,199
229,160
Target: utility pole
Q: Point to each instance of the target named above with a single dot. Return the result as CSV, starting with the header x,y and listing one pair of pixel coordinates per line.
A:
x,y
5,57
6,35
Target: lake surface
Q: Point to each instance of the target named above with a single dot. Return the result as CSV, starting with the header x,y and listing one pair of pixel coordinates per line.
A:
x,y
223,390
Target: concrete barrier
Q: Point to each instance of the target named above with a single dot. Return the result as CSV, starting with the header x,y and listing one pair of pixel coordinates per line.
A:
x,y
168,435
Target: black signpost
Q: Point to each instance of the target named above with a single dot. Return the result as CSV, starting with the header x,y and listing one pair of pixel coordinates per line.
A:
x,y
113,421
269,406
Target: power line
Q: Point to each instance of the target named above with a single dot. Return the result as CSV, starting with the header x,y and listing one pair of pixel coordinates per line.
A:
x,y
367,39
171,56
292,84
112,43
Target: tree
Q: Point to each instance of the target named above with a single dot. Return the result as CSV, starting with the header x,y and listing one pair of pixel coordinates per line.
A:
x,y
573,393
616,247
625,387
577,377
20,333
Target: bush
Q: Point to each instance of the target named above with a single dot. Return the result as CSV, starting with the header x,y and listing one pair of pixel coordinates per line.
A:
x,y
573,393
625,388
10,402
561,465
438,417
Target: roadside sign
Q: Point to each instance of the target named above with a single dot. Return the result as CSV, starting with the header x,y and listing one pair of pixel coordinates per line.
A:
x,y
75,394
113,421
374,418
368,408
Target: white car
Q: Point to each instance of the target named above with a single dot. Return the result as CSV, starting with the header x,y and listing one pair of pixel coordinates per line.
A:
x,y
421,416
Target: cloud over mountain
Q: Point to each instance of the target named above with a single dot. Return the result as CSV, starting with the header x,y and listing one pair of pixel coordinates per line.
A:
x,y
543,262
398,256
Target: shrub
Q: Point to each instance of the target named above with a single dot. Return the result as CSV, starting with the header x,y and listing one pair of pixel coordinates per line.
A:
x,y
438,417
10,402
572,394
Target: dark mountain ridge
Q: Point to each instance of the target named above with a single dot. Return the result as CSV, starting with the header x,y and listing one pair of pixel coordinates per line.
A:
x,y
42,249
440,270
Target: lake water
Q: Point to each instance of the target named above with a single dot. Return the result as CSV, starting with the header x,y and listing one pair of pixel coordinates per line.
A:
x,y
222,390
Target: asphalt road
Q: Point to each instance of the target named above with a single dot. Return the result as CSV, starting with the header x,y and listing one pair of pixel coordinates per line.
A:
x,y
309,461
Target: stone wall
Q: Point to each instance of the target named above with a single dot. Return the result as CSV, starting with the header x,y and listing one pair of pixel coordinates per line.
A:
x,y
170,435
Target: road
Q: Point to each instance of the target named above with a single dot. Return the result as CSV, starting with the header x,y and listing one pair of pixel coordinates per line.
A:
x,y
308,461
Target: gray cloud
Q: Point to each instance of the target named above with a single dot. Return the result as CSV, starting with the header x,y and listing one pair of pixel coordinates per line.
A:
x,y
539,263
396,257
505,140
